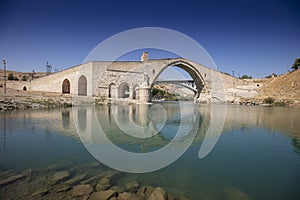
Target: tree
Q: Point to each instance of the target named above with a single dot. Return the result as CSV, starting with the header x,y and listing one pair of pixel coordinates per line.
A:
x,y
296,64
10,77
246,77
272,75
24,78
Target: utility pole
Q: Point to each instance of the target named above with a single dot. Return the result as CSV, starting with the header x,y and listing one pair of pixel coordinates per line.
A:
x,y
4,63
32,75
48,68
233,73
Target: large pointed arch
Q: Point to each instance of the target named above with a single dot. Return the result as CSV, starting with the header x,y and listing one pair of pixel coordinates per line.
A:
x,y
190,69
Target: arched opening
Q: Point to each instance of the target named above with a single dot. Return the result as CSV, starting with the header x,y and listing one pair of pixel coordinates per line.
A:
x,y
66,86
24,88
112,90
124,91
82,86
134,92
178,80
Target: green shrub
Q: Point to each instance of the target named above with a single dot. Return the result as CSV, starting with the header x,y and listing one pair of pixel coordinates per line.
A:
x,y
269,100
24,78
281,103
10,77
246,77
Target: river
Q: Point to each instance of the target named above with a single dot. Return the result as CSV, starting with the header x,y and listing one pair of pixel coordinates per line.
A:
x,y
255,156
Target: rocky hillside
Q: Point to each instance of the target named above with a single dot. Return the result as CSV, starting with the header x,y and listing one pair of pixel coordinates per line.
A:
x,y
171,92
20,75
283,88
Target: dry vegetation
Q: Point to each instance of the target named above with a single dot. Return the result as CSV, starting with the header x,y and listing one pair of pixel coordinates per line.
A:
x,y
282,88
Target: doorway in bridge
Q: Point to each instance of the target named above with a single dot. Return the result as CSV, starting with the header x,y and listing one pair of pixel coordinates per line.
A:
x,y
66,87
134,92
123,91
172,84
82,86
112,91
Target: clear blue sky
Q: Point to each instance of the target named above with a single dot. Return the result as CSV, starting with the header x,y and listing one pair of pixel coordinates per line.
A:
x,y
249,37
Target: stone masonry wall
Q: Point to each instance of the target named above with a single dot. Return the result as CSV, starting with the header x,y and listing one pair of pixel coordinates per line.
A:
x,y
103,75
53,82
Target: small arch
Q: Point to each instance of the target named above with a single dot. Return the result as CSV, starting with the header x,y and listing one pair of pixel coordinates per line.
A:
x,y
24,88
134,92
82,86
124,91
66,87
111,90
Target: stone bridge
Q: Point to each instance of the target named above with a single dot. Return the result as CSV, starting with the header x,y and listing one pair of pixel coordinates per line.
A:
x,y
133,79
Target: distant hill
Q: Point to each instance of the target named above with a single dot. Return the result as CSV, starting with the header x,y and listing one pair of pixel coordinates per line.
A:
x,y
284,87
19,75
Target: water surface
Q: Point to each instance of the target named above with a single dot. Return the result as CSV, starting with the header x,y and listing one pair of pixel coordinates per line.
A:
x,y
256,157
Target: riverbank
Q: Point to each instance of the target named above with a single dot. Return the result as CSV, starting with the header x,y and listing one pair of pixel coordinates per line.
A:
x,y
52,100
33,100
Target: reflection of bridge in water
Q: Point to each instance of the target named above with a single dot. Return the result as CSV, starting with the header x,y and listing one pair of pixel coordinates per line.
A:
x,y
152,126
284,120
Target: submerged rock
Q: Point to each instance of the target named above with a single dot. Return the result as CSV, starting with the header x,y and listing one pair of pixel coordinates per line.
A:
x,y
141,192
132,186
61,188
234,193
7,173
170,197
118,189
124,196
75,179
103,195
40,191
10,179
82,190
94,164
27,172
92,179
157,194
60,175
104,183
148,191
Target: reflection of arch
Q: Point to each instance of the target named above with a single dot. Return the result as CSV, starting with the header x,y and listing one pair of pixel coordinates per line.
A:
x,y
134,92
24,88
65,115
66,86
111,90
82,119
123,90
82,86
190,69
